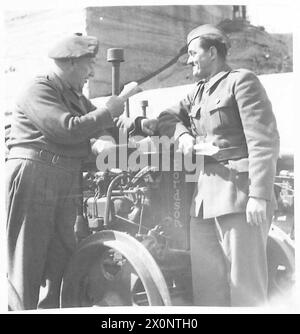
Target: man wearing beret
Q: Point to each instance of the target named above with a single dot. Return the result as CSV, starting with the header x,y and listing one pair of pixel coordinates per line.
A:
x,y
50,136
233,200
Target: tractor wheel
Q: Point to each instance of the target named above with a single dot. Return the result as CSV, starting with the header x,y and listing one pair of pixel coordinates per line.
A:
x,y
281,263
111,268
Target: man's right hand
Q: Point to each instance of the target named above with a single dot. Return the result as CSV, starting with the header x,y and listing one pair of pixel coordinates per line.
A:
x,y
125,123
115,106
186,144
149,126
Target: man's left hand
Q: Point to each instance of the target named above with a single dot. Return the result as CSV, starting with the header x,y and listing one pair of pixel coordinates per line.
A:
x,y
256,211
103,145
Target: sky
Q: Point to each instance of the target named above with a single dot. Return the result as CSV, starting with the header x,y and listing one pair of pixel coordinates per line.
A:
x,y
275,18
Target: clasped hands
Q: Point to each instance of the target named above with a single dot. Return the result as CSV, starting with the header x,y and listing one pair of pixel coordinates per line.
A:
x,y
148,126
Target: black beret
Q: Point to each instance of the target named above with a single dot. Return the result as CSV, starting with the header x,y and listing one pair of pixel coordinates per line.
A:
x,y
75,46
208,31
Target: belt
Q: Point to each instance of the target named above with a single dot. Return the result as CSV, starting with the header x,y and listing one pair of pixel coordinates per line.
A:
x,y
226,154
36,154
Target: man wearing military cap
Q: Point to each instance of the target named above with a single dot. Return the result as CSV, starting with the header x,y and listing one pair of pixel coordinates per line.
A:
x,y
50,135
233,199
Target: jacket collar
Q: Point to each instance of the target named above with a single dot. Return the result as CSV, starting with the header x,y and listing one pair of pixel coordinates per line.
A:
x,y
217,77
213,80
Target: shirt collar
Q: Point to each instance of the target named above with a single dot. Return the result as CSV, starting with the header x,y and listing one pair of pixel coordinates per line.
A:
x,y
200,82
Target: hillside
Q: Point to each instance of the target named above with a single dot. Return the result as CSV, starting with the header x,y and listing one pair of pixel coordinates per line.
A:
x,y
251,47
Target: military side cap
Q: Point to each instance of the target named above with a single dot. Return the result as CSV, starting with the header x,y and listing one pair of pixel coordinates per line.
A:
x,y
75,46
208,31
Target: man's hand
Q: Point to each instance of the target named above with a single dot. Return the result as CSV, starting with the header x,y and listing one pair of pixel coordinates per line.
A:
x,y
115,106
103,145
256,211
124,122
149,126
186,144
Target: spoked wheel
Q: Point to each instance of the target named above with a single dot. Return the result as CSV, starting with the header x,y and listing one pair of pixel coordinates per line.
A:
x,y
281,263
111,268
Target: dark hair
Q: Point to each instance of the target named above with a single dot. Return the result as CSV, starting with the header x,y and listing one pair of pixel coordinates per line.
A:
x,y
221,47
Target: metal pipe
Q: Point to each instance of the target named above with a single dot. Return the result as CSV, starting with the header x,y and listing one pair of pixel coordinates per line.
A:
x,y
108,199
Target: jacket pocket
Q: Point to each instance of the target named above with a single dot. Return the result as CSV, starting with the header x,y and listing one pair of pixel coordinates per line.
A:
x,y
222,114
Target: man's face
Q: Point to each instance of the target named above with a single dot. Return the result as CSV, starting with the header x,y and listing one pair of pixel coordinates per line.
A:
x,y
200,59
83,69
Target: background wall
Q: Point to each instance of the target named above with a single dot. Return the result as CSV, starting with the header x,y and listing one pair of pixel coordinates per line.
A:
x,y
150,35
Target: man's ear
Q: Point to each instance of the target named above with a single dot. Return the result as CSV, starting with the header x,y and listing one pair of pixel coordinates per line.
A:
x,y
213,52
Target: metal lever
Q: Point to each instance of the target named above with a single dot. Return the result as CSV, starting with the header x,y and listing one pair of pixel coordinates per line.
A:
x,y
115,56
144,105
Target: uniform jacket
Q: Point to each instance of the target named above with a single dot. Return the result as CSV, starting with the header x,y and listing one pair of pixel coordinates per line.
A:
x,y
50,115
233,112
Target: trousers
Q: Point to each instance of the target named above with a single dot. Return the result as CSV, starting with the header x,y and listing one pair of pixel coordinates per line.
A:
x,y
229,261
41,211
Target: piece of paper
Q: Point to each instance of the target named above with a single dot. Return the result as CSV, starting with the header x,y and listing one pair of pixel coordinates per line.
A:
x,y
206,149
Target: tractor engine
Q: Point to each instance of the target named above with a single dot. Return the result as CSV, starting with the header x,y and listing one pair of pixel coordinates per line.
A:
x,y
153,207
143,204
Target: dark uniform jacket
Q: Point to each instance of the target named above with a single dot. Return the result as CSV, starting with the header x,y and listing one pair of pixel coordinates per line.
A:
x,y
51,116
233,112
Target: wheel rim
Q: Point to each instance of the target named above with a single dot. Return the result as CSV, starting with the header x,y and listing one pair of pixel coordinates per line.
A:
x,y
95,278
